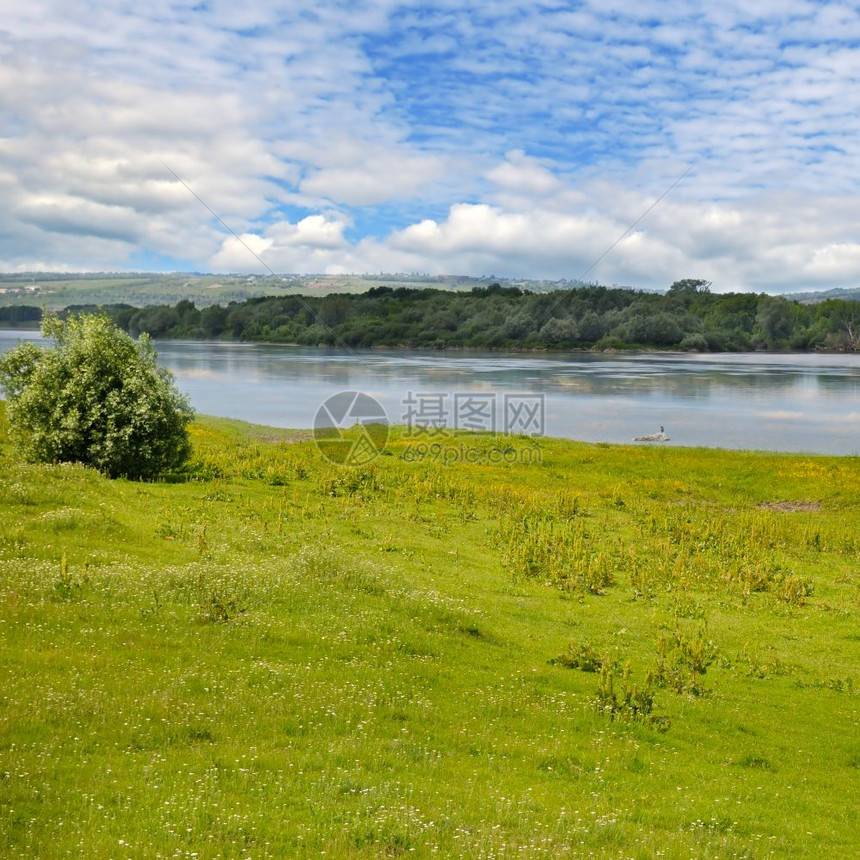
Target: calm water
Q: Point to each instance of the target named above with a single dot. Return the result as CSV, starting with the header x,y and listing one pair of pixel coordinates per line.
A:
x,y
773,402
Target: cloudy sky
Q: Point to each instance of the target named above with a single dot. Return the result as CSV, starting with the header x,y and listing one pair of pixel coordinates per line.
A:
x,y
487,137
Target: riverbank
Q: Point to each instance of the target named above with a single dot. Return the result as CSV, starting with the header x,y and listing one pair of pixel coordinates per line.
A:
x,y
622,349
543,350
688,317
281,657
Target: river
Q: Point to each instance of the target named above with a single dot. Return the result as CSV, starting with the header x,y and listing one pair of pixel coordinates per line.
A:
x,y
795,402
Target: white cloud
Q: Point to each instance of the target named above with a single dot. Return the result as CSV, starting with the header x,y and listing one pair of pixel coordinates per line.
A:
x,y
368,178
285,247
841,261
520,173
761,244
458,136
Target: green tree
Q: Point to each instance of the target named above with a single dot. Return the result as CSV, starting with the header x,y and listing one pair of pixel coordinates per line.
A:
x,y
660,329
96,397
557,330
841,321
592,326
775,318
689,287
213,320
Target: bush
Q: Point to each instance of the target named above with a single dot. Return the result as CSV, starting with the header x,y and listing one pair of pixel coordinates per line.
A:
x,y
660,329
96,397
557,330
694,342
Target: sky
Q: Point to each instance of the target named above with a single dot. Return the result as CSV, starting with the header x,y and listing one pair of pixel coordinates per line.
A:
x,y
483,138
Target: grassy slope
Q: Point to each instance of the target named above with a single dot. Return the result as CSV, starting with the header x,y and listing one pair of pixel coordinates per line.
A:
x,y
284,657
204,290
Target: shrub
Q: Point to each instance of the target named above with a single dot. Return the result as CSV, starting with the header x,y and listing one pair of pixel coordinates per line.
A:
x,y
557,330
660,329
629,703
682,659
582,657
694,342
96,397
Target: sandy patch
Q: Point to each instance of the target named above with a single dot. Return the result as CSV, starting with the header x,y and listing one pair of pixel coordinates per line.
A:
x,y
791,507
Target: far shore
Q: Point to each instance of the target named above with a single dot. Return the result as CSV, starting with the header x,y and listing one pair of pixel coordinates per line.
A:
x,y
535,350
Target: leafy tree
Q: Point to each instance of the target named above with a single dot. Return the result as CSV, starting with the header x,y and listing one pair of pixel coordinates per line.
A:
x,y
557,330
20,313
689,287
96,397
187,313
659,329
213,320
694,342
591,326
508,317
774,318
842,322
156,322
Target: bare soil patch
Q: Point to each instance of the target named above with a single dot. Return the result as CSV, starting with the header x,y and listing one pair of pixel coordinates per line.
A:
x,y
791,507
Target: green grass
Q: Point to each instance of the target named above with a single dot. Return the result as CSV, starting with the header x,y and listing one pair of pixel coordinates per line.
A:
x,y
141,289
281,657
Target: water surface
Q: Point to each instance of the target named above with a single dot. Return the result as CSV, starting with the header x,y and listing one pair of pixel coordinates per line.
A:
x,y
751,400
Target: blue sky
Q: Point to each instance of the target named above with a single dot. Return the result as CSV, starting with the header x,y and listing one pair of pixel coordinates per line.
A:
x,y
476,138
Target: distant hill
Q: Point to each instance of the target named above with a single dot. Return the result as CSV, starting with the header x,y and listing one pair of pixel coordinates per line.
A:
x,y
850,293
141,289
58,290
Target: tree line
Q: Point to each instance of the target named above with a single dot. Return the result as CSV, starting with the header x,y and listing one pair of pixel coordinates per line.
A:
x,y
687,317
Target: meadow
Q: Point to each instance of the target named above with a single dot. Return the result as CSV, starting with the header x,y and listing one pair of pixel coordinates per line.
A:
x,y
544,648
141,289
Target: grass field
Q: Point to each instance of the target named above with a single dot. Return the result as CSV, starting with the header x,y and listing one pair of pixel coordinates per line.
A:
x,y
143,289
615,652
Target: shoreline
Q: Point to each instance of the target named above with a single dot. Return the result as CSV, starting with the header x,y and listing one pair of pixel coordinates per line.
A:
x,y
451,437
535,350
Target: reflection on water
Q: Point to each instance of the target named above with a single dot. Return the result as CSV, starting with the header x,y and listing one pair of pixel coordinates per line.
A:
x,y
774,402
